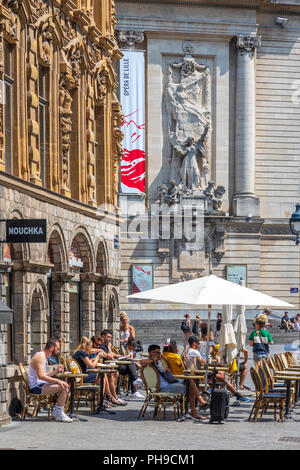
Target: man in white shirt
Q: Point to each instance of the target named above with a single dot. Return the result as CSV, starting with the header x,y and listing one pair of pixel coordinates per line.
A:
x,y
193,353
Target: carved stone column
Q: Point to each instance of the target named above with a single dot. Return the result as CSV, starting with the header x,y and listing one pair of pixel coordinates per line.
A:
x,y
2,161
66,84
90,137
33,107
245,201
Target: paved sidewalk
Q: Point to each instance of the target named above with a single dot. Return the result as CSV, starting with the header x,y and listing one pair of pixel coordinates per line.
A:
x,y
123,431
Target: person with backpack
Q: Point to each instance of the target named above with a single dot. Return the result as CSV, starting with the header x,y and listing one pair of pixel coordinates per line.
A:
x,y
260,339
196,326
186,328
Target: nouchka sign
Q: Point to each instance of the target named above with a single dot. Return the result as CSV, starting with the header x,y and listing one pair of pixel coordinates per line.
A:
x,y
26,231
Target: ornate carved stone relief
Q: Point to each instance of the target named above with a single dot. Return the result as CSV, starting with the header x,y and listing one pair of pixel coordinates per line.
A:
x,y
248,43
66,85
130,39
189,121
118,136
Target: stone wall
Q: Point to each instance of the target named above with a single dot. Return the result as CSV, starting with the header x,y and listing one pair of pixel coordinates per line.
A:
x,y
4,415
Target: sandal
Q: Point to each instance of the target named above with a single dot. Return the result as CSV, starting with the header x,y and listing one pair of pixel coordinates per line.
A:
x,y
198,419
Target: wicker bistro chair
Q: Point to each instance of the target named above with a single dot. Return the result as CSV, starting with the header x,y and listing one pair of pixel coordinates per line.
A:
x,y
83,391
35,400
263,400
151,380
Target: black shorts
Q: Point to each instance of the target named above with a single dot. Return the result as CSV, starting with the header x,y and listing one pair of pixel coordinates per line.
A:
x,y
242,367
37,390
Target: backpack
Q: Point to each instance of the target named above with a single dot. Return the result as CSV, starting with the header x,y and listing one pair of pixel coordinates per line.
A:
x,y
195,328
185,326
139,346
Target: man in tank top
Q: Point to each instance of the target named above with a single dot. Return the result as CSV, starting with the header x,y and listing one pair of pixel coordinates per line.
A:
x,y
41,381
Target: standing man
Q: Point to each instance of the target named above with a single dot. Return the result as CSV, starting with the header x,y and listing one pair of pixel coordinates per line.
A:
x,y
218,325
260,339
43,382
186,328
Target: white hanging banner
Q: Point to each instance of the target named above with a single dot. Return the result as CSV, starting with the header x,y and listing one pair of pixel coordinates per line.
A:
x,y
132,97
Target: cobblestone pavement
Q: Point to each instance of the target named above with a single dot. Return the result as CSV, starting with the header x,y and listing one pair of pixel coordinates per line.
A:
x,y
124,431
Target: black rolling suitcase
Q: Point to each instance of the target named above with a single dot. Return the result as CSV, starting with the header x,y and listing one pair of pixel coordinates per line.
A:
x,y
219,406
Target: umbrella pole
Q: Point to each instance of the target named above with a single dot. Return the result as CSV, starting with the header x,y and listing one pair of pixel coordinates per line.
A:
x,y
207,345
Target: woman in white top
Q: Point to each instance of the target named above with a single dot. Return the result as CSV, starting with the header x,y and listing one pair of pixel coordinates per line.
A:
x,y
126,330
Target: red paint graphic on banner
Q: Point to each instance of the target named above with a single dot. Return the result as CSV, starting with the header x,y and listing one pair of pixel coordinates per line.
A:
x,y
133,169
139,268
133,161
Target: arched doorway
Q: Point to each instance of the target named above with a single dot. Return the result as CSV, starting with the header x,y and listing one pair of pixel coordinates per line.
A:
x,y
101,304
81,290
113,322
39,318
56,255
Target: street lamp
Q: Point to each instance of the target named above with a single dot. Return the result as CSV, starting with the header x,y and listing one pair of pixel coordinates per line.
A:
x,y
295,223
295,229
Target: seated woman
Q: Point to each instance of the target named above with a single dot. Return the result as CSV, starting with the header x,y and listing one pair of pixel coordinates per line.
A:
x,y
88,358
83,356
170,352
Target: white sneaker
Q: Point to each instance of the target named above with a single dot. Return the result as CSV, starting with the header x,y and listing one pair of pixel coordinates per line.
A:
x,y
62,417
138,381
136,395
54,413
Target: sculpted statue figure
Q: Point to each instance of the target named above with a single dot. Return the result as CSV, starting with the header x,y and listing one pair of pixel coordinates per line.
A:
x,y
169,195
188,120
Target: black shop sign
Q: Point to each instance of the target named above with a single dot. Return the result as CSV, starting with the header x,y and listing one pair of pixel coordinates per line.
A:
x,y
26,231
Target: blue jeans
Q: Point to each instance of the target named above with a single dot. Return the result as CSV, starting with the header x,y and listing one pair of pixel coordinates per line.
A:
x,y
178,387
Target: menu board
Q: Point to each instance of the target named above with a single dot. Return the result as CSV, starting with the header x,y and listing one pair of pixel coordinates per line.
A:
x,y
236,272
142,277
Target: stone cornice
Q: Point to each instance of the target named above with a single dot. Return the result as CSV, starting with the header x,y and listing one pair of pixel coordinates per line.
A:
x,y
185,26
265,6
51,197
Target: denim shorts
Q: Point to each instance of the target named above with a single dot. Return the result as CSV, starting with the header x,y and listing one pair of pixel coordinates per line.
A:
x,y
37,390
259,356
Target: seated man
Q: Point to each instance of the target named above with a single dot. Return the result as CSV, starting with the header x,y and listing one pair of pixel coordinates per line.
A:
x,y
193,352
41,381
286,323
170,352
167,382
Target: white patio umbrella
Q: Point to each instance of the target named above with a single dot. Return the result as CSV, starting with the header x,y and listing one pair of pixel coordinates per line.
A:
x,y
240,326
227,342
209,290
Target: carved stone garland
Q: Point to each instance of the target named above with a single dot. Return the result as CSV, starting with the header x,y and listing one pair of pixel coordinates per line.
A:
x,y
66,85
90,136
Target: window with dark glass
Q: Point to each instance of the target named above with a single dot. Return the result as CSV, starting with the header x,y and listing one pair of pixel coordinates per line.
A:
x,y
8,107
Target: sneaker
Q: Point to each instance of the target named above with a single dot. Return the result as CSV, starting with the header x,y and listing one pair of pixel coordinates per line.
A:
x,y
243,399
121,402
62,417
136,395
54,413
138,381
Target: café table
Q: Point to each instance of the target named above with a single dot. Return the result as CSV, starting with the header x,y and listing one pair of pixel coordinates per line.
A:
x,y
288,378
187,392
101,371
72,378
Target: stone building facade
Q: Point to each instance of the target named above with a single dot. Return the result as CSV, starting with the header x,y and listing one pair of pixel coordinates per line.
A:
x,y
60,146
244,58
